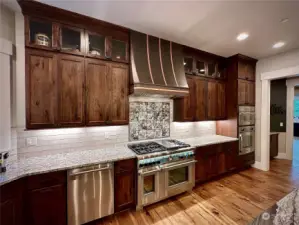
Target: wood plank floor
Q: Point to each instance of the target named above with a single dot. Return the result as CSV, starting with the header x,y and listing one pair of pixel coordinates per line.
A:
x,y
234,199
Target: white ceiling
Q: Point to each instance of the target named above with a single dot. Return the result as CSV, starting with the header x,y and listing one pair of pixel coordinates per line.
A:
x,y
207,25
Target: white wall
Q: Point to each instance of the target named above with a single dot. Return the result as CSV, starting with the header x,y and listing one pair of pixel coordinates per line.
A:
x,y
281,61
7,73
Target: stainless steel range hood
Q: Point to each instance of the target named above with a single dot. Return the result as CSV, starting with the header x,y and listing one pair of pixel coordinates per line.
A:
x,y
157,67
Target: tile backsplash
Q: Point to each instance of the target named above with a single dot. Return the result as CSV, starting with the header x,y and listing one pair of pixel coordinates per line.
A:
x,y
159,123
149,120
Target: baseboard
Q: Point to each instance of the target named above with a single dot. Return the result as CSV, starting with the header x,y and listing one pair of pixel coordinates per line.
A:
x,y
257,165
281,156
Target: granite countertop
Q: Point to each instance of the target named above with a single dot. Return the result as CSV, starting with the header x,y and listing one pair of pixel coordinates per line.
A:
x,y
284,212
207,140
63,161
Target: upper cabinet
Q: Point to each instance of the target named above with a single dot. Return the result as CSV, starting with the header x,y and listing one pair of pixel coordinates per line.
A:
x,y
53,36
71,40
203,64
206,101
246,70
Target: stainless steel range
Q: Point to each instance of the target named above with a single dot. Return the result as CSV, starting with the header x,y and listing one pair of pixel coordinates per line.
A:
x,y
165,168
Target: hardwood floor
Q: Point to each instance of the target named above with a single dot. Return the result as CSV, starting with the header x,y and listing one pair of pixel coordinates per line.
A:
x,y
234,199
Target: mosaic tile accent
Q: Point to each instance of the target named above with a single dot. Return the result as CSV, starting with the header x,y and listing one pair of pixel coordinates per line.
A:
x,y
149,120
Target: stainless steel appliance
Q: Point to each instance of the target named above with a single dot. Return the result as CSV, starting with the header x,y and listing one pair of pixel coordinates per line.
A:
x,y
246,140
90,193
165,168
246,115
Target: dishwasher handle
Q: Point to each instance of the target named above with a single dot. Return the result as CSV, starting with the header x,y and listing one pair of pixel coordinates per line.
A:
x,y
91,171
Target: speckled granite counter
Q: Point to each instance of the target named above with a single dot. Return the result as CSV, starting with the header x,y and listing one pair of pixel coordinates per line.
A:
x,y
207,140
284,212
36,165
44,164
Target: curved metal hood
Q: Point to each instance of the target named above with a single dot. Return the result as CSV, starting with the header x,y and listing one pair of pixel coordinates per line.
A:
x,y
157,67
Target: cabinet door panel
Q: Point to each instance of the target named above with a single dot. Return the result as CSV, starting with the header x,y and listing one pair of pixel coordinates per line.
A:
x,y
188,108
250,72
212,100
124,194
200,166
97,96
242,92
200,99
221,101
71,90
221,162
242,70
118,89
251,93
41,91
47,206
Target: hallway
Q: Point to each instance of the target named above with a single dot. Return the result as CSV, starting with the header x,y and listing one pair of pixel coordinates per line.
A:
x,y
296,151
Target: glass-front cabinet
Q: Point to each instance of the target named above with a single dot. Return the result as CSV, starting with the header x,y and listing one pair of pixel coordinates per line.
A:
x,y
188,65
95,45
118,50
212,69
72,40
200,68
40,33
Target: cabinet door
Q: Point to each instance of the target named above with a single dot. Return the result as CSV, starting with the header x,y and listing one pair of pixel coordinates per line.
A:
x,y
250,93
47,206
212,100
72,40
124,191
250,75
242,89
11,203
221,101
200,99
41,90
118,88
242,70
124,184
231,151
201,165
71,90
222,162
97,92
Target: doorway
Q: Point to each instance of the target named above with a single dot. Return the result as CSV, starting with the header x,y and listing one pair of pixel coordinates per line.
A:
x,y
296,128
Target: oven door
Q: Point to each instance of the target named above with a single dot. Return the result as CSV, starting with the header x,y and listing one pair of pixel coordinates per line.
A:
x,y
179,177
244,118
149,186
246,142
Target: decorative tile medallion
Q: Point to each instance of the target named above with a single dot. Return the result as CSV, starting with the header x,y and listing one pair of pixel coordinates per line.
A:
x,y
149,120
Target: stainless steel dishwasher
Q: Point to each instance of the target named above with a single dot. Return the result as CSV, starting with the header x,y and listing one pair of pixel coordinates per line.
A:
x,y
90,193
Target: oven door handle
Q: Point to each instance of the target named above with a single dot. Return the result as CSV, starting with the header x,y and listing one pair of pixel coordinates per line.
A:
x,y
158,169
180,165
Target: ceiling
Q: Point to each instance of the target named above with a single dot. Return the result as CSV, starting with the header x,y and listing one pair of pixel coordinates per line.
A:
x,y
207,25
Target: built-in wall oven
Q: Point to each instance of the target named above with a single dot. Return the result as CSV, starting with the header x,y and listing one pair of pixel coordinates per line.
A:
x,y
172,175
246,115
246,140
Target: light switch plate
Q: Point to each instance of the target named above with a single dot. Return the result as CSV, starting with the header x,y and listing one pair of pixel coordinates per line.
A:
x,y
281,124
32,141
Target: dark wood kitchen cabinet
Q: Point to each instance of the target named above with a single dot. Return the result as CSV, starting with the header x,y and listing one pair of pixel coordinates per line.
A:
x,y
206,101
215,160
125,184
71,90
246,70
246,92
107,88
41,89
216,100
46,199
11,208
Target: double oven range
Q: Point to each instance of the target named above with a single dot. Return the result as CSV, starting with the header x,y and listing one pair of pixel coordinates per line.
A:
x,y
165,168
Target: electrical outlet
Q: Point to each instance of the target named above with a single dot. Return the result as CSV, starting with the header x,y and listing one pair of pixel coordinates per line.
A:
x,y
32,141
281,124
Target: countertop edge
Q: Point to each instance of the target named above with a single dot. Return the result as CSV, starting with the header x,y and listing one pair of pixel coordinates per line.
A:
x,y
26,174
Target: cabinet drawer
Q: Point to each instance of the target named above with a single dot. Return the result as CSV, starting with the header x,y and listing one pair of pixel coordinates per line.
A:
x,y
125,166
46,180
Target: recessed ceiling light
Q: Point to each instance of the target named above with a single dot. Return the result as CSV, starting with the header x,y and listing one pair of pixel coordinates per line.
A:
x,y
284,20
185,63
242,36
278,44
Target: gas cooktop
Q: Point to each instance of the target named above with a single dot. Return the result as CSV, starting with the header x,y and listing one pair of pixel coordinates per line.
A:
x,y
156,146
